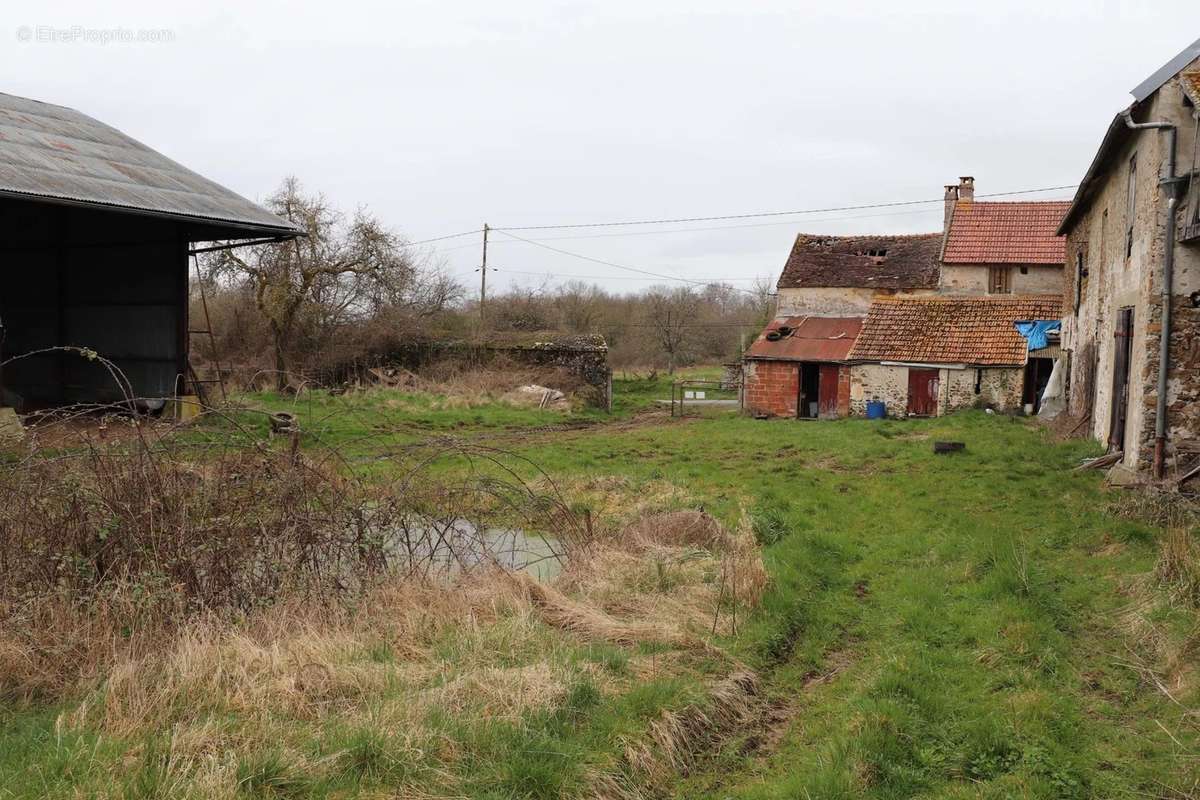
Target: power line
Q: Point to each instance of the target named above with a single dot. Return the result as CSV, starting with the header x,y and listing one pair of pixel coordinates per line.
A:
x,y
611,263
706,281
728,216
441,238
694,230
664,221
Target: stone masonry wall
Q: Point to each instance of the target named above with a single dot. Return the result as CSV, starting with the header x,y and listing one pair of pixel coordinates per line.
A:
x,y
999,388
956,390
878,382
835,302
1117,281
973,279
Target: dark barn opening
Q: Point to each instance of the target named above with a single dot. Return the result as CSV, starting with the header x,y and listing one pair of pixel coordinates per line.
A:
x,y
808,404
95,231
1037,375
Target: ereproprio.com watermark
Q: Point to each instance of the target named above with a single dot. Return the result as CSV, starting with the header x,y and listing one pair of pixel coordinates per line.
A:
x,y
78,34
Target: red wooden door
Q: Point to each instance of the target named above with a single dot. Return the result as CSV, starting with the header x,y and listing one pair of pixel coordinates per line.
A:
x,y
828,392
922,392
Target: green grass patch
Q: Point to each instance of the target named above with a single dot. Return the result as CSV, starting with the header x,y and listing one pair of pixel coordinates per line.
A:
x,y
936,626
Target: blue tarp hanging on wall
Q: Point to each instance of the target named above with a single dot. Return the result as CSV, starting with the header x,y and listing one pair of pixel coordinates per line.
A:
x,y
1035,332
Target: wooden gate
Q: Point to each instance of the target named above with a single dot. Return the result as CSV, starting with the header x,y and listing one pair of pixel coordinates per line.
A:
x,y
922,392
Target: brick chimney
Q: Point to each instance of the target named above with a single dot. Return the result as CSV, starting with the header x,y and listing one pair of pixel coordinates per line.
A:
x,y
951,199
966,188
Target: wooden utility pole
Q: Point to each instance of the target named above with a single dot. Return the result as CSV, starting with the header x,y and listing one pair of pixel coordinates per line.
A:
x,y
483,274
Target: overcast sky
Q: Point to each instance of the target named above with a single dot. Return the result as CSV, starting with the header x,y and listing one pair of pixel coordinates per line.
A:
x,y
440,116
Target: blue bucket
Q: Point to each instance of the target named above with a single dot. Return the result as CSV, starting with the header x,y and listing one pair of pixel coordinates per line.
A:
x,y
876,409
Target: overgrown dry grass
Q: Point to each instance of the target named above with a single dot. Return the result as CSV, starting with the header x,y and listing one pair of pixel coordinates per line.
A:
x,y
1162,621
495,647
253,618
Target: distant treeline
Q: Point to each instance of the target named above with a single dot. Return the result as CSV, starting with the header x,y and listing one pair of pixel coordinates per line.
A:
x,y
353,290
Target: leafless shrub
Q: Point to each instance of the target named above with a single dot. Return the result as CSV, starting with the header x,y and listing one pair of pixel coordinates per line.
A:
x,y
107,541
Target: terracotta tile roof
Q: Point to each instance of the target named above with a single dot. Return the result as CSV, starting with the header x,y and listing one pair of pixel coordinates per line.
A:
x,y
1006,233
952,330
907,262
809,339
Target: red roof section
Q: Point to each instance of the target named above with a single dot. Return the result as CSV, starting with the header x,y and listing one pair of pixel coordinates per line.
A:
x,y
809,339
972,330
1006,233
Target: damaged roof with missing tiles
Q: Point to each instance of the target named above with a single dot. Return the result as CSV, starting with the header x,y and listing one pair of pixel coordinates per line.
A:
x,y
867,262
1190,81
976,331
1006,233
53,153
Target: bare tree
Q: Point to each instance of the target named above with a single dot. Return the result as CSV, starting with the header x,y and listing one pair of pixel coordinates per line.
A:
x,y
336,272
762,293
580,306
671,317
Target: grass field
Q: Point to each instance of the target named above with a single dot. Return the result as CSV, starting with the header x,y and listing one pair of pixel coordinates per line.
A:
x,y
973,625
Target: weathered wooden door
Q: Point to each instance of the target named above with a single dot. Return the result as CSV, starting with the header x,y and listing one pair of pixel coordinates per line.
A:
x,y
999,280
922,392
828,391
1122,353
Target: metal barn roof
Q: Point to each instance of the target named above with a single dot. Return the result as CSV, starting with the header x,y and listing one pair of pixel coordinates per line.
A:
x,y
808,339
57,154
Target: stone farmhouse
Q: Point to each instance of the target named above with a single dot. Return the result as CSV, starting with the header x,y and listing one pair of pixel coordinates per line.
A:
x,y
923,323
1133,277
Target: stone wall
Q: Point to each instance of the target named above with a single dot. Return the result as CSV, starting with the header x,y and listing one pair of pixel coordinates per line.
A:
x,y
973,278
999,388
835,302
878,382
964,279
1115,281
956,389
584,356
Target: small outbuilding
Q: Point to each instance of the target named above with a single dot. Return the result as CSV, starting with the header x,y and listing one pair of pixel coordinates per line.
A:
x,y
96,231
927,356
798,367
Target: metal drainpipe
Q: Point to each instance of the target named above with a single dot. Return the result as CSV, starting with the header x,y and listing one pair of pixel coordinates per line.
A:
x,y
1170,183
